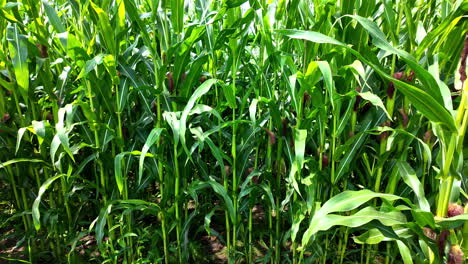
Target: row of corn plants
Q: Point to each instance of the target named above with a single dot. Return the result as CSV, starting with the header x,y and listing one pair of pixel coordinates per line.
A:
x,y
234,131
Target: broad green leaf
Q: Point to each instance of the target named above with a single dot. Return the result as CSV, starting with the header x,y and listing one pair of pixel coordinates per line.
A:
x,y
267,190
410,178
291,85
17,45
61,136
423,218
424,102
233,3
101,222
105,28
300,137
345,201
389,16
218,154
120,21
111,67
132,11
118,171
177,17
349,200
253,111
20,136
452,222
174,123
53,17
119,179
379,40
129,205
299,216
62,81
360,218
377,235
228,91
405,252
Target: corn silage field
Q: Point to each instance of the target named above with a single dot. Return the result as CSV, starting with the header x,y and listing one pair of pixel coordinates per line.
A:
x,y
234,131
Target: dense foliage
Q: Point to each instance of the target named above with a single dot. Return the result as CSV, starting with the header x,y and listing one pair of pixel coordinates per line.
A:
x,y
240,131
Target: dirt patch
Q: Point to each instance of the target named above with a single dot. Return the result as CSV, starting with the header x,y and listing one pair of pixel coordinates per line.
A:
x,y
215,248
8,249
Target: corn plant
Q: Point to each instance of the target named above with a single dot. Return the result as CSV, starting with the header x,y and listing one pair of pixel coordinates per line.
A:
x,y
234,131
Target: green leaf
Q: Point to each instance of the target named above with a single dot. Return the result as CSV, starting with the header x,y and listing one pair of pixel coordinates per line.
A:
x,y
452,222
345,162
134,16
13,161
349,200
101,222
445,26
208,219
234,3
35,208
328,79
61,137
90,65
118,170
105,28
217,188
345,201
177,15
18,139
120,21
300,137
371,237
360,218
375,100
199,92
228,91
152,138
111,67
379,40
410,178
430,107
53,17
405,252
17,45
423,218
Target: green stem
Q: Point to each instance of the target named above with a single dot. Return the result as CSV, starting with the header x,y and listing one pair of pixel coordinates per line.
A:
x,y
447,179
278,190
176,203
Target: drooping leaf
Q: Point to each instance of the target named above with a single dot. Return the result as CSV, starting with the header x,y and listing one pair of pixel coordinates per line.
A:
x,y
35,208
152,138
199,92
424,102
375,100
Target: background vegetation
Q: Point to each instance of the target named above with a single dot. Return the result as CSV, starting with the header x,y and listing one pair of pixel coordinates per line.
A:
x,y
289,131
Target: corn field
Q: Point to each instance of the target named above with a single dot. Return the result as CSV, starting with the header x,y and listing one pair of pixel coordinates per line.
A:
x,y
233,131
